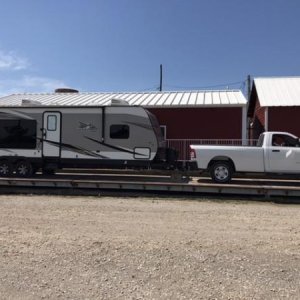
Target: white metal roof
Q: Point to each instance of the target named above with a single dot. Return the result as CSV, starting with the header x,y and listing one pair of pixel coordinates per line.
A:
x,y
278,91
150,99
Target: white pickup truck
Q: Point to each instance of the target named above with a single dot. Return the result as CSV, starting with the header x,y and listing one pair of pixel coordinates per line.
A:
x,y
275,152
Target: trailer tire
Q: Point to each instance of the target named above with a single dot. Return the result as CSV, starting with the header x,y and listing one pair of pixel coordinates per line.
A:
x,y
221,172
23,169
5,168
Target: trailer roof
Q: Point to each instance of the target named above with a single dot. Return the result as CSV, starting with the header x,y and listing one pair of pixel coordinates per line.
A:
x,y
150,99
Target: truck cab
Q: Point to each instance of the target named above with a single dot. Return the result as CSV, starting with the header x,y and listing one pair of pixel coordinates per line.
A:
x,y
282,152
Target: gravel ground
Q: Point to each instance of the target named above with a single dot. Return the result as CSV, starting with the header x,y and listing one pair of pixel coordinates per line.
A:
x,y
55,247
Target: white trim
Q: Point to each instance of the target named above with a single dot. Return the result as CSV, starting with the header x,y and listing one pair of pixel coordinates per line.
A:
x,y
244,125
267,119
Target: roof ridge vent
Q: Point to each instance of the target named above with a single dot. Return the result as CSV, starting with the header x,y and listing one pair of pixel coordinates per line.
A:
x,y
118,102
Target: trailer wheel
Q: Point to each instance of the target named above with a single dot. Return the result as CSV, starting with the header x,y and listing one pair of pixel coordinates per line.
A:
x,y
221,172
23,169
5,168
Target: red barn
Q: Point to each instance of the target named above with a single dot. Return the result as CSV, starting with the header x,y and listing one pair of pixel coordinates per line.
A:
x,y
209,115
274,105
183,115
214,115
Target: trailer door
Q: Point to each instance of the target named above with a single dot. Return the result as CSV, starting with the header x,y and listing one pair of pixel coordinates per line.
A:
x,y
51,134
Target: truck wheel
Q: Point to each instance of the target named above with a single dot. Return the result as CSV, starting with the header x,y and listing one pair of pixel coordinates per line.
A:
x,y
221,172
5,168
23,169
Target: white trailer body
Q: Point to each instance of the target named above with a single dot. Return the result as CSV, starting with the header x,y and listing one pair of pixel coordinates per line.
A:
x,y
56,137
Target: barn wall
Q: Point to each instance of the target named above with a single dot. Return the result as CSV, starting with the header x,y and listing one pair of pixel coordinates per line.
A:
x,y
201,123
284,119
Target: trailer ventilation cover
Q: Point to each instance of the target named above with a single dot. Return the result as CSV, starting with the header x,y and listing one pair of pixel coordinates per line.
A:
x,y
66,90
28,102
118,102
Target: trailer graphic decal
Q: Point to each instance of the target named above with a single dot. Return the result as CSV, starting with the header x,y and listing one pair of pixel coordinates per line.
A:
x,y
145,126
73,148
116,148
87,127
87,152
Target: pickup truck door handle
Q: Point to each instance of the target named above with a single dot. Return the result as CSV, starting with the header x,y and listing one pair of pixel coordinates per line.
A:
x,y
276,150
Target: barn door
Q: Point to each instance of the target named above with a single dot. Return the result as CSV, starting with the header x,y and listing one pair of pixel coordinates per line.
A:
x,y
51,134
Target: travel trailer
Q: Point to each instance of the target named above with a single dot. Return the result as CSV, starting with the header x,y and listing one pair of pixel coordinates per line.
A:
x,y
33,136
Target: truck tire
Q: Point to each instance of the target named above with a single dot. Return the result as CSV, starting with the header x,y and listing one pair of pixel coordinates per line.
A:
x,y
23,169
221,172
5,168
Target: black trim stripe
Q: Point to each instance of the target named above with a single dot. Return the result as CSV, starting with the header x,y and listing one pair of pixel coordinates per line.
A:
x,y
115,147
87,152
73,148
145,126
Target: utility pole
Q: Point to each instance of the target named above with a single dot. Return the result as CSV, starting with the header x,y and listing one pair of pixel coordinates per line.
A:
x,y
248,86
160,81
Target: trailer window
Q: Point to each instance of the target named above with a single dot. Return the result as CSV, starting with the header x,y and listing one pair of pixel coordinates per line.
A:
x,y
51,122
18,134
119,131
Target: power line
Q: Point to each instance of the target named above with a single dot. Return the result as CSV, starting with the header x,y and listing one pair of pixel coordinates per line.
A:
x,y
208,86
241,85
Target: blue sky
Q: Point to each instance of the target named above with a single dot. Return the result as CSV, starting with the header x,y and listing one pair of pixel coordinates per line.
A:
x,y
118,45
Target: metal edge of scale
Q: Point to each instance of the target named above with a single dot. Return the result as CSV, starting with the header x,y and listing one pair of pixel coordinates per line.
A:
x,y
264,191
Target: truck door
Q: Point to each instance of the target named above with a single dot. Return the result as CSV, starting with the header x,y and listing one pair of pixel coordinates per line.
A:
x,y
51,134
284,154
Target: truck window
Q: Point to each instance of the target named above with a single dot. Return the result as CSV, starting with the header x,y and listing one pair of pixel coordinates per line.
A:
x,y
277,140
119,131
18,134
283,140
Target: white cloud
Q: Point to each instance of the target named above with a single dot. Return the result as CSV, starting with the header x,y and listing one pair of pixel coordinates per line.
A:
x,y
12,62
29,84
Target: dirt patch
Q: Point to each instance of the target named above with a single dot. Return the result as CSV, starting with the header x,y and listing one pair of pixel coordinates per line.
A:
x,y
112,248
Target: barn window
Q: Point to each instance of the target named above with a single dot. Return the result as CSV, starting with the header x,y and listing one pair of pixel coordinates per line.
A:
x,y
18,134
119,131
